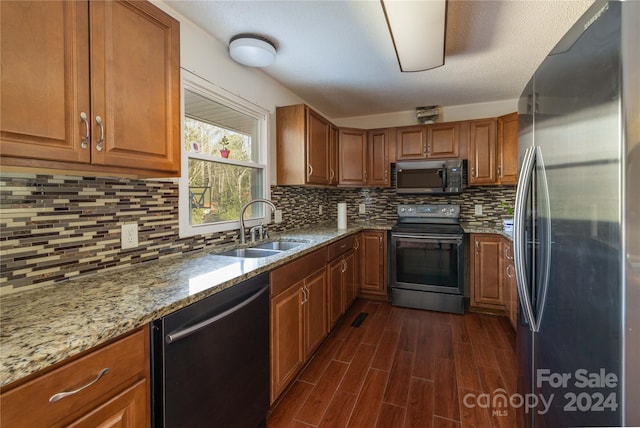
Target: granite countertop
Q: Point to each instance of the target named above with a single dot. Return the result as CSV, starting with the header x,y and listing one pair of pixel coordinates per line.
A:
x,y
493,229
41,327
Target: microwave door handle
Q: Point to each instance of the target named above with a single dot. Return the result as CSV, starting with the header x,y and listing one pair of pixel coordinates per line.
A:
x,y
444,178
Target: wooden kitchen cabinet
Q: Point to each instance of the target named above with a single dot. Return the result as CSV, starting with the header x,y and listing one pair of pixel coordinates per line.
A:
x,y
90,87
487,277
298,316
508,149
510,286
411,142
364,158
433,141
373,264
482,151
353,157
303,146
493,150
443,140
341,274
378,158
120,397
334,155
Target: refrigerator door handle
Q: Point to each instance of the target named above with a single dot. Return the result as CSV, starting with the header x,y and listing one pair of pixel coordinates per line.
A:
x,y
544,212
519,241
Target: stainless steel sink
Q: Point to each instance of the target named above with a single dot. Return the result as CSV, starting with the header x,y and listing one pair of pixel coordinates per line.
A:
x,y
279,245
250,253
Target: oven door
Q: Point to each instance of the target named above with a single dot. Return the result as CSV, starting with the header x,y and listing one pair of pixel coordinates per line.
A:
x,y
425,262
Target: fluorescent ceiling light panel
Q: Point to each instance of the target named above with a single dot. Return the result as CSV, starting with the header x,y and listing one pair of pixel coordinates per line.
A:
x,y
417,29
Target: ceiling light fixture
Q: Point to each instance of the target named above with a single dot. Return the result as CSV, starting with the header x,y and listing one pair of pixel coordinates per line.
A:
x,y
252,50
417,30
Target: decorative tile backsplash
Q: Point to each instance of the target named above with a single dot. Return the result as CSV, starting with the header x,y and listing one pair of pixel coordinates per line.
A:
x,y
53,228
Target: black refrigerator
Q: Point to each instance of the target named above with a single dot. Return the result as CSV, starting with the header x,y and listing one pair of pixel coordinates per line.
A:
x,y
577,227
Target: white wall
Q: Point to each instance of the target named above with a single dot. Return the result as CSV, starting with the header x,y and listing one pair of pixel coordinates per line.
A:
x,y
447,114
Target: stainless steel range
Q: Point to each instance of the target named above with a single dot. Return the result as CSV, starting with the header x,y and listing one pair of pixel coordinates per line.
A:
x,y
427,258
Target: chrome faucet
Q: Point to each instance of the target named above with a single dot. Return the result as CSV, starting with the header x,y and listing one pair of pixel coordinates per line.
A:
x,y
244,207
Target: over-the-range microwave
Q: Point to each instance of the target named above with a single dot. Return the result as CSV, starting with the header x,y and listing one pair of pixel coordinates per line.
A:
x,y
441,177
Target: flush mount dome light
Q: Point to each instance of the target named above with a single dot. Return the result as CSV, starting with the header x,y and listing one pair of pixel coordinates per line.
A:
x,y
252,50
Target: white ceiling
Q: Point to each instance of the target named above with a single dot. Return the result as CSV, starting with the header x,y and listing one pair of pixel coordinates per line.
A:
x,y
338,55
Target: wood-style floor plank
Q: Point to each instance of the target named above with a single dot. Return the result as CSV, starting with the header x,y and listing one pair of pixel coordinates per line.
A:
x,y
405,367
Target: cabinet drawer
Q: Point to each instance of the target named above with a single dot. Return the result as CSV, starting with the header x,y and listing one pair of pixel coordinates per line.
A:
x,y
342,246
288,275
29,404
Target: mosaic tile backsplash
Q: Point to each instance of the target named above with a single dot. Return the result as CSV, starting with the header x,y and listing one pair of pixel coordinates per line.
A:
x,y
53,228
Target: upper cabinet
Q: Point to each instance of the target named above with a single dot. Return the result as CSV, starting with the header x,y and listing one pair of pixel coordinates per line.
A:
x,y
435,141
508,149
493,150
482,151
303,145
91,87
364,158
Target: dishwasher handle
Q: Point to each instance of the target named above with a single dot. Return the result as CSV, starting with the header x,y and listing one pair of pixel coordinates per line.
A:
x,y
181,334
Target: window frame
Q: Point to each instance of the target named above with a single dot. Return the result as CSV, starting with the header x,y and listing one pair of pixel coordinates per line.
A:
x,y
194,83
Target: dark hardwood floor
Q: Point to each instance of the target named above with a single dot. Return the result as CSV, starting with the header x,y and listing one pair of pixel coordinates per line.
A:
x,y
405,368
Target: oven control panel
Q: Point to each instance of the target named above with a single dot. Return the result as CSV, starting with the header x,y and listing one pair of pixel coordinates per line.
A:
x,y
429,210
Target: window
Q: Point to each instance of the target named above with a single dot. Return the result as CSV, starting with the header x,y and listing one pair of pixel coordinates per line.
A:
x,y
224,152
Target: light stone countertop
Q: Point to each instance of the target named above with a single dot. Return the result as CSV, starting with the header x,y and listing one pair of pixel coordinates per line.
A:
x,y
471,228
41,327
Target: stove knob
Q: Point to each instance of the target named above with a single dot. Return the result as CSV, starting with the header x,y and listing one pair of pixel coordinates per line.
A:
x,y
452,210
403,209
444,210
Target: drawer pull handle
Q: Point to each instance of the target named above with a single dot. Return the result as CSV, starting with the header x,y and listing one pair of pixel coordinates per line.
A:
x,y
61,395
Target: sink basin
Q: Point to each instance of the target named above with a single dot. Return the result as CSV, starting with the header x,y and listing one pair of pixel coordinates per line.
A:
x,y
250,253
278,245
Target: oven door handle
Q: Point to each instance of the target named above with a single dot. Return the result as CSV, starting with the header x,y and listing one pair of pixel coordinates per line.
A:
x,y
439,238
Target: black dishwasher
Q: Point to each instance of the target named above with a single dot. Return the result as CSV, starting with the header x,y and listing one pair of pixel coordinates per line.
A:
x,y
210,360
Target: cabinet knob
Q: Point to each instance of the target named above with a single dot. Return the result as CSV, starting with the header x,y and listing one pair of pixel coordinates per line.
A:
x,y
101,140
85,140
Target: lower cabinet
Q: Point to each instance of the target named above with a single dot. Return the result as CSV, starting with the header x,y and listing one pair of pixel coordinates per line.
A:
x,y
510,286
493,279
298,316
488,271
373,269
341,285
108,386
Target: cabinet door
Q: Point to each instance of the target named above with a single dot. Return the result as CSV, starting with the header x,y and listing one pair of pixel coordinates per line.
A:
x,y
411,142
482,151
378,170
135,86
349,276
287,343
129,409
334,155
336,290
317,149
44,48
508,149
315,313
487,271
373,263
443,140
353,157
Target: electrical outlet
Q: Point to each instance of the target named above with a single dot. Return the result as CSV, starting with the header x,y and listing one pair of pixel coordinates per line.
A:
x,y
362,209
320,209
478,209
129,236
277,216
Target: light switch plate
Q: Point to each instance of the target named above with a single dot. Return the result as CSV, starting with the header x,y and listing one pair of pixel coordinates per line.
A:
x,y
478,209
320,209
362,209
277,216
129,236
